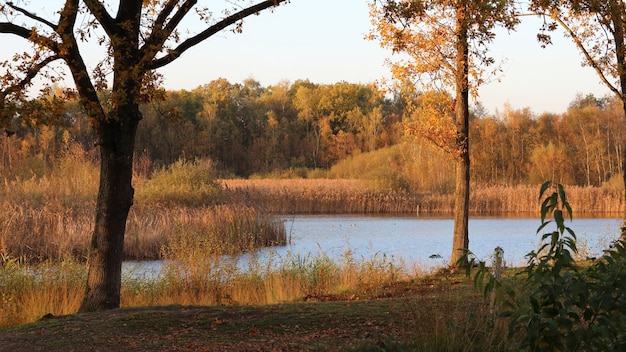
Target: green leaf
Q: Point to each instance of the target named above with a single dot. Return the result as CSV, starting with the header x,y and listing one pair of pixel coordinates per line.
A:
x,y
543,225
560,222
545,208
571,232
569,210
544,187
561,191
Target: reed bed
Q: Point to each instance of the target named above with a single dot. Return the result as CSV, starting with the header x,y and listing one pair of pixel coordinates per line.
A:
x,y
30,291
318,196
329,196
220,281
523,200
57,232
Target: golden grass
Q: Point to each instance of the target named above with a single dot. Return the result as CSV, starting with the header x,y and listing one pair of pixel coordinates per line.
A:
x,y
56,232
219,281
331,196
44,220
318,196
29,291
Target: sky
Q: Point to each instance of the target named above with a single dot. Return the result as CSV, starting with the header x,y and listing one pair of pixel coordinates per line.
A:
x,y
323,41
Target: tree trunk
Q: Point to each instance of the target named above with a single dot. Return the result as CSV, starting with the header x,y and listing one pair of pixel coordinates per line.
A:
x,y
460,241
115,198
617,13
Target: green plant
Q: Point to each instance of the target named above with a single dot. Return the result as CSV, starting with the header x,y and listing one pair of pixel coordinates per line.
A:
x,y
183,182
557,304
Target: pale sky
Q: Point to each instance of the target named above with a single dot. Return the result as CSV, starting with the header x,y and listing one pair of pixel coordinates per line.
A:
x,y
323,41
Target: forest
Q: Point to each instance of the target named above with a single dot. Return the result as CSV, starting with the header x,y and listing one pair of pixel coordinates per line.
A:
x,y
342,130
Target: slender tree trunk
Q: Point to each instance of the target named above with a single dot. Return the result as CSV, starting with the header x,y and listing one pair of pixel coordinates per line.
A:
x,y
115,198
617,13
460,241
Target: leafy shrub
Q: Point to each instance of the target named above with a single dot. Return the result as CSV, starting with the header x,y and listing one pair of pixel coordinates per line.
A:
x,y
557,304
383,169
184,182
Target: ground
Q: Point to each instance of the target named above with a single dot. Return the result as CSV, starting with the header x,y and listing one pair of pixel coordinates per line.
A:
x,y
392,317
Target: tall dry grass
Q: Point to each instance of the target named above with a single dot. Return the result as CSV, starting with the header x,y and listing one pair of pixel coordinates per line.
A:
x,y
29,291
58,232
52,216
338,196
318,196
523,200
196,279
193,276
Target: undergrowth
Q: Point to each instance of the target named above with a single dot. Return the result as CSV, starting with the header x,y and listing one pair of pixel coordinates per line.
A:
x,y
556,303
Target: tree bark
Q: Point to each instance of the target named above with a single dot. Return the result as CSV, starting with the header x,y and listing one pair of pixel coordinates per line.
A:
x,y
460,241
619,32
115,198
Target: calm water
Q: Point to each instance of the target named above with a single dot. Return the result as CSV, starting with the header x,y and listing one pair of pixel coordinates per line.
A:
x,y
411,241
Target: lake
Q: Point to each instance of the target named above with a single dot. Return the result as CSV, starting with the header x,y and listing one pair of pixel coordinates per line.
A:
x,y
411,241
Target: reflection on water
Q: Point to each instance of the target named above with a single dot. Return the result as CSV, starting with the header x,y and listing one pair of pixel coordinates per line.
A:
x,y
411,241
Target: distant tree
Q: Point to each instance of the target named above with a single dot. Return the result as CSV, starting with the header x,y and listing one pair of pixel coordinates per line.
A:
x,y
445,42
140,36
598,28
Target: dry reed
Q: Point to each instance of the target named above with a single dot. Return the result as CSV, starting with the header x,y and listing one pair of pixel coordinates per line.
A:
x,y
523,200
57,232
329,196
27,292
318,196
197,279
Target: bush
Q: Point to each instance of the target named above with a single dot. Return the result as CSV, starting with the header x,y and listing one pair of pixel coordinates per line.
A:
x,y
190,183
558,304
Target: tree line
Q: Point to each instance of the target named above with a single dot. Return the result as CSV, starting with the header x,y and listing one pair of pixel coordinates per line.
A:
x,y
249,129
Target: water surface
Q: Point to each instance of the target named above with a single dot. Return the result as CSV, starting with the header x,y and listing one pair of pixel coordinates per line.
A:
x,y
412,241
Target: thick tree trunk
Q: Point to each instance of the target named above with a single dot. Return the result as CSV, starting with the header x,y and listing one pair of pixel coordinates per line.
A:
x,y
115,198
460,241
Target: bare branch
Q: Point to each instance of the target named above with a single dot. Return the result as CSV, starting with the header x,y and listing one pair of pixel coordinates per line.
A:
x,y
32,15
230,20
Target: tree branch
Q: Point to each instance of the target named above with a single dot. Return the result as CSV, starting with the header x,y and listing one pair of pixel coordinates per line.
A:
x,y
230,20
32,15
98,10
30,35
30,74
164,14
70,52
161,31
67,18
10,28
586,54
